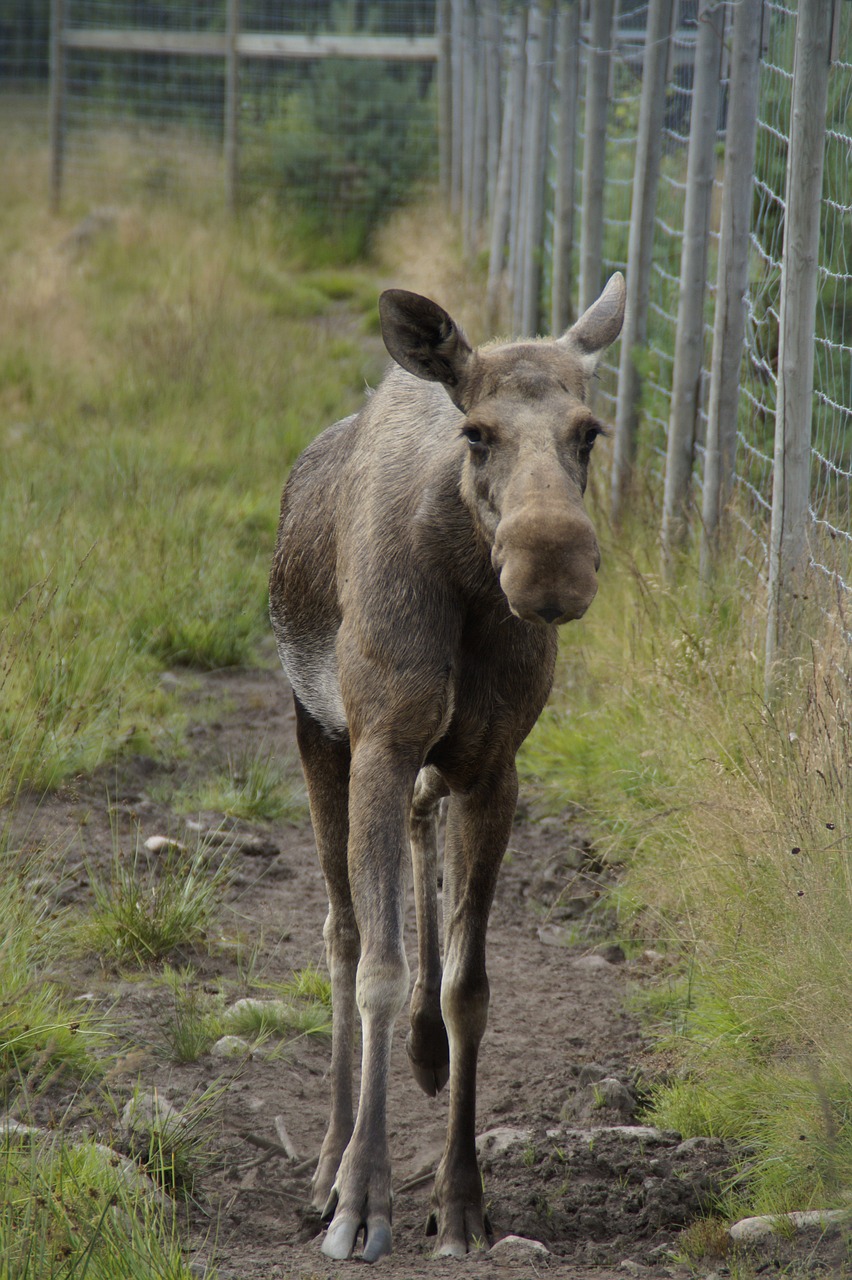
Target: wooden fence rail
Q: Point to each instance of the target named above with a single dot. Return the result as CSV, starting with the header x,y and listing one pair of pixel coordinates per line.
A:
x,y
232,45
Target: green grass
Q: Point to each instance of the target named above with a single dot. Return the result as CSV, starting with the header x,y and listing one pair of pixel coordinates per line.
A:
x,y
156,383
256,787
73,1210
150,906
193,1022
43,1035
258,1019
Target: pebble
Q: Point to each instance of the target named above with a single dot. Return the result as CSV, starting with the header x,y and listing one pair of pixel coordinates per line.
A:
x,y
592,963
590,1073
495,1141
519,1249
639,1132
231,1047
699,1144
162,844
8,1125
150,1112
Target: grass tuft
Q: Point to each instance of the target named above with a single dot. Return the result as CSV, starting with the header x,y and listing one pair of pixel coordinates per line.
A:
x,y
256,788
153,905
194,1020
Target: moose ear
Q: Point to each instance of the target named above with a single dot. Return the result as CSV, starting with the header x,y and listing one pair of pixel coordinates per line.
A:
x,y
424,339
600,325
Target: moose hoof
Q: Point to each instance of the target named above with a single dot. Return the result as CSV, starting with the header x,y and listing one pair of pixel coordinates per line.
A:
x,y
460,1228
429,1057
341,1237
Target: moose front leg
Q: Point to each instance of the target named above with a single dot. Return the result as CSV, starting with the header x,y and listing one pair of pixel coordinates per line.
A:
x,y
380,791
478,828
325,762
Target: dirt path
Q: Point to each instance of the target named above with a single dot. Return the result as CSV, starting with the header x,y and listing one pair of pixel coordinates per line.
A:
x,y
560,1062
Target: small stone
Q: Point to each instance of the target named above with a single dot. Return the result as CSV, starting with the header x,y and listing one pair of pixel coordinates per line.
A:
x,y
495,1141
690,1145
273,1012
253,846
519,1249
604,1094
590,1073
554,935
162,844
592,963
150,1112
9,1127
231,1047
634,1268
634,1132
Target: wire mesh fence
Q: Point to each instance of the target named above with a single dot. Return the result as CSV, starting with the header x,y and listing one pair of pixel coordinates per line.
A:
x,y
327,107
614,166
338,108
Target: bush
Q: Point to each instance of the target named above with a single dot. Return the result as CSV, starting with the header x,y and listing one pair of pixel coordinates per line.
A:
x,y
346,145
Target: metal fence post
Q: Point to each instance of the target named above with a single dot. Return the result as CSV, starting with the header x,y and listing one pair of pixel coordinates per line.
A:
x,y
594,151
788,542
731,278
646,172
689,332
568,72
57,101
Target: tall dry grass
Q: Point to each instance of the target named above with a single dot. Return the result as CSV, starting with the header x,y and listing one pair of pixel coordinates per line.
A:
x,y
731,820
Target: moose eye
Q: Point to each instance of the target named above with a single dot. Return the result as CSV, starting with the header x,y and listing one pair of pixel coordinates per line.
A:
x,y
475,439
587,438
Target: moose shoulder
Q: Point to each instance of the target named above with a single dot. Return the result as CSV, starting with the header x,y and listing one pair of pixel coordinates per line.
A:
x,y
426,548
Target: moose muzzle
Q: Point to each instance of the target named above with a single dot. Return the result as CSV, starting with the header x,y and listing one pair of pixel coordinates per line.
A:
x,y
547,563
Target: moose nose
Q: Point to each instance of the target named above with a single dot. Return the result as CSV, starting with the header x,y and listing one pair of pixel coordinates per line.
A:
x,y
549,613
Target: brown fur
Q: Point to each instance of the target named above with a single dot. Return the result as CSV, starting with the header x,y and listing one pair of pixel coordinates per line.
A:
x,y
425,546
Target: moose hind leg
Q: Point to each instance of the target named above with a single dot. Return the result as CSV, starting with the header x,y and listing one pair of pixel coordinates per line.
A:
x,y
478,828
427,1044
326,767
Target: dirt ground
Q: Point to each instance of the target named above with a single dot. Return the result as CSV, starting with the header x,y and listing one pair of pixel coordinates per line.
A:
x,y
563,1068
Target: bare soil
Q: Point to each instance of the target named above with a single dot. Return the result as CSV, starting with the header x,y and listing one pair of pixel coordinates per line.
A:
x,y
562,1169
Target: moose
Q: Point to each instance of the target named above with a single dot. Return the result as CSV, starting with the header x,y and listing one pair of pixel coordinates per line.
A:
x,y
428,547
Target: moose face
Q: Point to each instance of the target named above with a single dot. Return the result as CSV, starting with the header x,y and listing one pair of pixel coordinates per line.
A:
x,y
529,434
